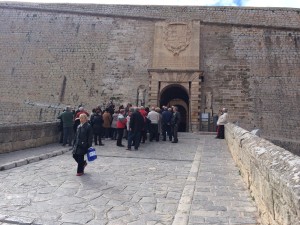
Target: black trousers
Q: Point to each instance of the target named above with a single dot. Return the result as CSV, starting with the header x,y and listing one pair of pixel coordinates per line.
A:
x,y
221,133
154,132
80,161
166,130
175,132
97,137
120,136
143,136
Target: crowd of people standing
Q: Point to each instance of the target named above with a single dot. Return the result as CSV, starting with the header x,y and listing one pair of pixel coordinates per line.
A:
x,y
81,129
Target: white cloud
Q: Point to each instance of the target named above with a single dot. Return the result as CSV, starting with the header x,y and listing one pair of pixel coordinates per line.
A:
x,y
218,2
272,3
253,3
134,2
139,2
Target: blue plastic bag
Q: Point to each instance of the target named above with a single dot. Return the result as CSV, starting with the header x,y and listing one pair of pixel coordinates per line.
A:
x,y
91,154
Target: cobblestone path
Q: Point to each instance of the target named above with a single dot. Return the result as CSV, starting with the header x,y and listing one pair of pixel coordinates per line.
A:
x,y
192,182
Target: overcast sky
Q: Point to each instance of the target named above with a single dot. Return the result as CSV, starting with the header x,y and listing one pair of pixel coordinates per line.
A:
x,y
252,3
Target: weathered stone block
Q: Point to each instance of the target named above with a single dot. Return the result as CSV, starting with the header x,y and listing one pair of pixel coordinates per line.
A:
x,y
6,147
22,137
273,175
5,137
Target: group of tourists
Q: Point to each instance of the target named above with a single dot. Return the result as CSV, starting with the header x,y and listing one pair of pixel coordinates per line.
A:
x,y
80,129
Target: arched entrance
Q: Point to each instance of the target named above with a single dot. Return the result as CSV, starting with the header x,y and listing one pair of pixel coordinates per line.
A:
x,y
176,95
177,87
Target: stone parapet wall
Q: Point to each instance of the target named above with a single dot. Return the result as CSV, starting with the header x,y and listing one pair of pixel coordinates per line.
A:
x,y
22,136
288,144
275,17
271,173
23,112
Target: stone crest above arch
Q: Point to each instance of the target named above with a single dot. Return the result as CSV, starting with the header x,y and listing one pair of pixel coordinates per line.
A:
x,y
176,62
177,36
176,45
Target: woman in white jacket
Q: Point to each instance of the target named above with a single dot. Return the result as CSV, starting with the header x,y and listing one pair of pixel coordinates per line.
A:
x,y
223,119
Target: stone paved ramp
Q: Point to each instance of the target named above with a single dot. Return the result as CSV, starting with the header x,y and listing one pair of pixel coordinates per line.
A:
x,y
192,182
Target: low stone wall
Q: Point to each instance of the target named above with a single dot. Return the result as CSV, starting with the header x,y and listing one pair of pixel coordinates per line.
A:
x,y
22,136
290,145
271,173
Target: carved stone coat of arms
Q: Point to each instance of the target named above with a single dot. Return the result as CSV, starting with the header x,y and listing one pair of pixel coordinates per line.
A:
x,y
177,37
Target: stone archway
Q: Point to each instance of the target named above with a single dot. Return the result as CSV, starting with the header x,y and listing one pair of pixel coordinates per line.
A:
x,y
177,84
176,95
176,61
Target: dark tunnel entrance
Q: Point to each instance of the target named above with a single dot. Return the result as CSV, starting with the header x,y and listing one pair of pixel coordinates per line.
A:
x,y
176,95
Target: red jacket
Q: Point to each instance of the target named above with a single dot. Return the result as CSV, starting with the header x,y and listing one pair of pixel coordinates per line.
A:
x,y
143,112
121,122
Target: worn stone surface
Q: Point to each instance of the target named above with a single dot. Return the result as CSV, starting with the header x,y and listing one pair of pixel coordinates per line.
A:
x,y
271,174
148,186
28,135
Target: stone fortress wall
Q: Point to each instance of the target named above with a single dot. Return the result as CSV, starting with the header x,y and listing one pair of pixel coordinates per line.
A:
x,y
23,136
53,55
270,172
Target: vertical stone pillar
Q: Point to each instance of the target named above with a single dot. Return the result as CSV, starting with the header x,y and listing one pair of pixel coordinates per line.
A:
x,y
153,89
195,100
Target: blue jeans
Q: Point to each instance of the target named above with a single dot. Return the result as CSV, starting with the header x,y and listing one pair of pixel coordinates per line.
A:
x,y
134,138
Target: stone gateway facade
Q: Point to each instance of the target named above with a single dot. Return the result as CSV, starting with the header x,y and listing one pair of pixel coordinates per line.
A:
x,y
198,58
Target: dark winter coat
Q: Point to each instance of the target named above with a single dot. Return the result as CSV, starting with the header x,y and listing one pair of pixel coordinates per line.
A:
x,y
166,117
84,139
176,119
137,122
97,122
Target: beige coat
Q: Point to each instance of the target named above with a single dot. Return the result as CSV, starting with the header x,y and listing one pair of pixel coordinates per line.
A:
x,y
106,119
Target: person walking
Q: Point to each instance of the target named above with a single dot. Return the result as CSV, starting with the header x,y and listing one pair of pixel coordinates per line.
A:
x,y
67,121
76,117
84,139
